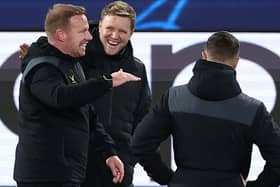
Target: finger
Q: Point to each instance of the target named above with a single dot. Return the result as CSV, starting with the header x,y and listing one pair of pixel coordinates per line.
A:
x,y
117,177
24,47
135,78
116,180
121,172
20,55
23,50
121,176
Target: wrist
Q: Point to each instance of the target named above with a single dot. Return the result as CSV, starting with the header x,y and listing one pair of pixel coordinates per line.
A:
x,y
108,159
109,79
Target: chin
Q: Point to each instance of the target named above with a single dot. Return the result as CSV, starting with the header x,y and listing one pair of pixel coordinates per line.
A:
x,y
83,53
112,52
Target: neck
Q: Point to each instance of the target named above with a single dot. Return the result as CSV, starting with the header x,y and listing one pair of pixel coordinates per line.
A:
x,y
225,62
59,46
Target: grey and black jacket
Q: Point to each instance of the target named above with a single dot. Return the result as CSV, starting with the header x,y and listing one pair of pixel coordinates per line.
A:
x,y
214,126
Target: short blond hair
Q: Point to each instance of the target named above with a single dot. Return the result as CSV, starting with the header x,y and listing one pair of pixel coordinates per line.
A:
x,y
58,17
120,8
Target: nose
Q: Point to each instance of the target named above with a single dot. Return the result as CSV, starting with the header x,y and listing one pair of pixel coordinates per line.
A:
x,y
88,36
115,34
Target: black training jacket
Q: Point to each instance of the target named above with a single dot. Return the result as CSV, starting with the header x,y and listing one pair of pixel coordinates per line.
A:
x,y
55,119
122,108
213,125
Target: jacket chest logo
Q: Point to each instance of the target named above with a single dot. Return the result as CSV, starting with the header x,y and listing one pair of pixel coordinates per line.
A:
x,y
72,78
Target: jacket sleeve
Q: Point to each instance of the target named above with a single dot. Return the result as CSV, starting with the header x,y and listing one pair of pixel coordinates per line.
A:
x,y
266,135
148,135
48,85
145,99
99,138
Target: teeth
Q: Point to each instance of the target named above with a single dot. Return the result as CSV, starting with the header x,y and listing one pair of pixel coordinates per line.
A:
x,y
112,42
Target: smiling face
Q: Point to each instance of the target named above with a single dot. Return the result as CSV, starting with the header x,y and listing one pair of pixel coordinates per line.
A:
x,y
76,36
114,33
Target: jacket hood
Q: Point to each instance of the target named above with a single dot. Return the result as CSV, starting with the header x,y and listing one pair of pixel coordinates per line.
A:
x,y
213,81
42,48
36,49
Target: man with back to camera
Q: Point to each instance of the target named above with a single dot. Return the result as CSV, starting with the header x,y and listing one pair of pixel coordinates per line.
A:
x,y
55,117
121,109
214,126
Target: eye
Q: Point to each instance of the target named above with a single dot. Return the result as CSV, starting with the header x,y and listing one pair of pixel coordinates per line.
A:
x,y
123,32
109,29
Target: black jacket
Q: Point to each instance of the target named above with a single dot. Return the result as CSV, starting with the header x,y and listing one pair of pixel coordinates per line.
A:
x,y
55,118
122,108
213,125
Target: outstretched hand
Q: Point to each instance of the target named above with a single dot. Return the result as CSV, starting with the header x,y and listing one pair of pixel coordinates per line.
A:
x,y
23,48
120,77
117,168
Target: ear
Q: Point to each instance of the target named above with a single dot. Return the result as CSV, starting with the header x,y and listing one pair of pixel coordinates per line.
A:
x,y
204,55
132,32
99,24
60,35
235,62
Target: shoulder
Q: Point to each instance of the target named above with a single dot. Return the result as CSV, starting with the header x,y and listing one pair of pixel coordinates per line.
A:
x,y
36,62
137,60
249,101
138,63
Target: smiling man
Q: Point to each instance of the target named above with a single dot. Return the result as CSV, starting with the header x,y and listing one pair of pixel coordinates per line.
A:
x,y
56,118
121,109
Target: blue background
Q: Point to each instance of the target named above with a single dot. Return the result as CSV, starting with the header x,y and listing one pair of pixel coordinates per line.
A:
x,y
157,15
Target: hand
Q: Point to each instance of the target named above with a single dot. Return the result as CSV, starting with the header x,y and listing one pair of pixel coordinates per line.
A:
x,y
120,77
117,168
23,50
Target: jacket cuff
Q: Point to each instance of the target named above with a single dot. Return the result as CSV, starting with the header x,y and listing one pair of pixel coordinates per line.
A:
x,y
108,79
252,184
108,152
161,174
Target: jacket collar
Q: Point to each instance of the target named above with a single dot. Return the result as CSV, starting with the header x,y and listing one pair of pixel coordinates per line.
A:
x,y
42,48
213,81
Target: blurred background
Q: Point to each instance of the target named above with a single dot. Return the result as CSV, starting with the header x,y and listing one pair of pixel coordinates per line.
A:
x,y
155,15
168,39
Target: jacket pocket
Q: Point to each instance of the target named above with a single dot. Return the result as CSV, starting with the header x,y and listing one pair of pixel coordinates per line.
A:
x,y
43,146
